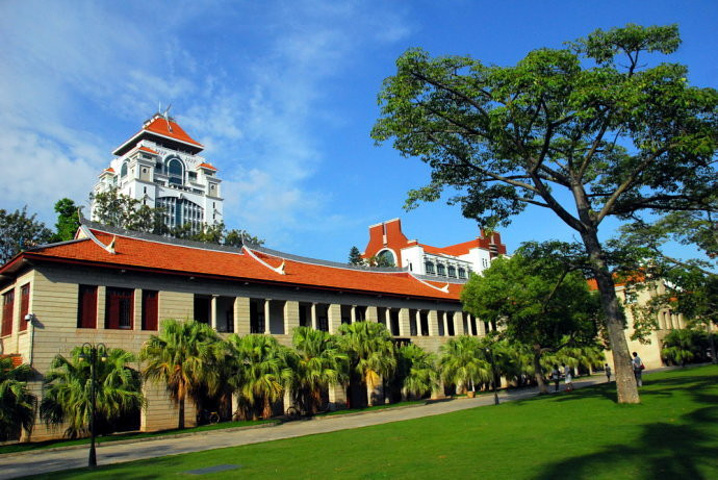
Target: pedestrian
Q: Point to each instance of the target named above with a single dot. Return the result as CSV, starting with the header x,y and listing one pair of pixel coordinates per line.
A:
x,y
556,376
608,372
568,378
638,368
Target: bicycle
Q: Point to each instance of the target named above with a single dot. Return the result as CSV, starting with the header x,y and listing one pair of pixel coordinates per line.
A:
x,y
205,417
292,413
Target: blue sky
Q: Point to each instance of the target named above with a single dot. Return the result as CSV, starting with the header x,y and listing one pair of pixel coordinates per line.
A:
x,y
281,93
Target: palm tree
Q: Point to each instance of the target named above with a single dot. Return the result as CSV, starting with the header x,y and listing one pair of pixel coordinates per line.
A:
x,y
185,355
262,372
317,364
417,369
67,396
17,404
463,363
371,351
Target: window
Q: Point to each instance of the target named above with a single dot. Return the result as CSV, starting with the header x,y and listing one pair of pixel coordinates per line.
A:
x,y
175,171
462,273
192,176
8,305
123,170
452,272
87,307
441,270
119,306
430,268
24,305
149,310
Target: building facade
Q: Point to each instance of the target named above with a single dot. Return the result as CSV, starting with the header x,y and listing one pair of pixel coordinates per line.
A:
x,y
115,287
387,240
161,167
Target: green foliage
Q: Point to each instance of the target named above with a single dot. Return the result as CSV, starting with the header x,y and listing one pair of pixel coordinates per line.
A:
x,y
355,257
370,350
684,346
185,355
316,364
20,231
17,404
262,373
68,220
122,211
464,363
417,370
68,385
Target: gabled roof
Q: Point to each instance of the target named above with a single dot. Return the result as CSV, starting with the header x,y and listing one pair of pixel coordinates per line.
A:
x,y
161,130
160,255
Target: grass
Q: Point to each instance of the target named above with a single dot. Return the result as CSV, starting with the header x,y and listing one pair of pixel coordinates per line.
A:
x,y
24,447
582,435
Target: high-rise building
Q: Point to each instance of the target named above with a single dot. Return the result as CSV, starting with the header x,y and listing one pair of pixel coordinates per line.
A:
x,y
160,166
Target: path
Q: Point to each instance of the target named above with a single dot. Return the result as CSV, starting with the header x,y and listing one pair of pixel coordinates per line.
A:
x,y
15,465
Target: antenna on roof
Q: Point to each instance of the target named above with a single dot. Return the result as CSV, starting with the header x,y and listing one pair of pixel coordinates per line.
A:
x,y
165,114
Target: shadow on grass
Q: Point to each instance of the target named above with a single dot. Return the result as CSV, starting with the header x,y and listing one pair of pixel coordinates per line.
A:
x,y
664,450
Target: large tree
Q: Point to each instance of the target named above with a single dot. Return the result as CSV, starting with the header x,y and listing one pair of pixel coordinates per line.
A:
x,y
68,220
186,356
590,131
20,231
539,297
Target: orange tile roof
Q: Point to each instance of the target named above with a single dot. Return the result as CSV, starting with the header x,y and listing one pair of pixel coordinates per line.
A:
x,y
110,170
135,253
162,127
147,149
208,166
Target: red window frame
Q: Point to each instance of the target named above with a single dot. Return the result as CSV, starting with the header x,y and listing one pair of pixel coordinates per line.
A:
x,y
8,308
24,306
87,307
149,309
119,308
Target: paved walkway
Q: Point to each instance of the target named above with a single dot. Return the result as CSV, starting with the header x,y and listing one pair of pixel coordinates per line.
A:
x,y
46,461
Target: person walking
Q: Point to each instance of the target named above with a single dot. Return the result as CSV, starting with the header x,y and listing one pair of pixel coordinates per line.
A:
x,y
568,377
638,368
607,369
556,376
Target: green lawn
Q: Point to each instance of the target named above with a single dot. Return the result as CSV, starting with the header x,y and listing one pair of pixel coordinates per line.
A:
x,y
585,434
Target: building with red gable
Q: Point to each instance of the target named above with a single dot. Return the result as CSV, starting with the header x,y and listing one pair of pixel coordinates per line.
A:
x,y
160,166
387,241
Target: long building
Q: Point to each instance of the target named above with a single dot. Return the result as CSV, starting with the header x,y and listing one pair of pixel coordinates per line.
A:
x,y
114,287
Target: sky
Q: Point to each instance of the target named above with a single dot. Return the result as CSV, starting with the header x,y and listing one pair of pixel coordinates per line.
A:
x,y
282,94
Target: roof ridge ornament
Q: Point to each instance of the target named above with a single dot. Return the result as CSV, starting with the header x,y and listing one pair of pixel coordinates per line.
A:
x,y
444,289
279,269
165,114
87,233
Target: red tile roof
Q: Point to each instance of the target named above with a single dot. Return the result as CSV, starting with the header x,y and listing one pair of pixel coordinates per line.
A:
x,y
141,254
207,166
169,128
148,150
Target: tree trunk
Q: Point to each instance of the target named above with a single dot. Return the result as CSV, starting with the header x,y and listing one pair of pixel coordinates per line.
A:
x,y
180,421
712,338
543,388
626,386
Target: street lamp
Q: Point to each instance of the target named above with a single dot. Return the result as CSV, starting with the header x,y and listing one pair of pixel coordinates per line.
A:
x,y
493,375
93,353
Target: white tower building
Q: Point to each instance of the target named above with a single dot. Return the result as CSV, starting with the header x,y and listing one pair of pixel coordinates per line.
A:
x,y
160,166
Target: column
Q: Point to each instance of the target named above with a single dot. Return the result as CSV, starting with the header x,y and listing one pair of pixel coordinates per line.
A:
x,y
291,316
433,323
101,294
315,325
241,316
459,323
353,314
334,316
470,325
445,319
372,315
482,327
267,318
137,313
404,322
213,312
417,319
